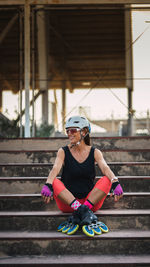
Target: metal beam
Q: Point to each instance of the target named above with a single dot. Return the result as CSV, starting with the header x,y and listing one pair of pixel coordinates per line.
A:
x,y
11,2
65,70
31,102
5,82
79,2
27,66
67,75
8,28
73,2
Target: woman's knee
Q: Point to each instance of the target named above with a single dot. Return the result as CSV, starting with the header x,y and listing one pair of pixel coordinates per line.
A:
x,y
104,184
58,186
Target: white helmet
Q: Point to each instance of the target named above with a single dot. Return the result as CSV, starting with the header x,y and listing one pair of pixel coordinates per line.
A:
x,y
79,122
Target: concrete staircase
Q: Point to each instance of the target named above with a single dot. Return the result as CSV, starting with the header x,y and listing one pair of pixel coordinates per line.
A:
x,y
28,235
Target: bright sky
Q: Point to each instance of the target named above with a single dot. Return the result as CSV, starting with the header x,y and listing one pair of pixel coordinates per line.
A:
x,y
102,103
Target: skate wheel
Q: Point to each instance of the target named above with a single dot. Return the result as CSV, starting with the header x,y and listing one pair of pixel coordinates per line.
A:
x,y
86,230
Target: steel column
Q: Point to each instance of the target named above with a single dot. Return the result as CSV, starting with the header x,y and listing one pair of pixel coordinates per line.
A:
x,y
130,113
20,69
129,68
1,100
63,105
33,73
148,121
27,66
43,62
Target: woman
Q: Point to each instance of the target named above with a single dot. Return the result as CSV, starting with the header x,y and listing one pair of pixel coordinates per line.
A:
x,y
77,191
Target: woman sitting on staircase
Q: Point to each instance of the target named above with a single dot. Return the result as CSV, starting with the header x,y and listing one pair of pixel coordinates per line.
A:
x,y
77,192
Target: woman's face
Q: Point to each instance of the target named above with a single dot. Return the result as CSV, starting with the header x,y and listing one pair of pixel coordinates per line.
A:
x,y
74,134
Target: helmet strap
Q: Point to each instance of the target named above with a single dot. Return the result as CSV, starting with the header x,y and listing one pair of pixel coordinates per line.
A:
x,y
82,138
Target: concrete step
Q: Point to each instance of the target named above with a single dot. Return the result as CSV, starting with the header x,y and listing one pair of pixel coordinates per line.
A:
x,y
135,142
42,169
29,185
131,242
28,226
47,221
18,156
29,202
48,156
79,260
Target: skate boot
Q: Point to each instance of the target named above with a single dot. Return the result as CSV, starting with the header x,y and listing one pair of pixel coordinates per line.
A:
x,y
87,218
89,222
85,215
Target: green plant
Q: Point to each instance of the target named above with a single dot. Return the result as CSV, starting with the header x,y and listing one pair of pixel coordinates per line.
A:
x,y
8,129
44,130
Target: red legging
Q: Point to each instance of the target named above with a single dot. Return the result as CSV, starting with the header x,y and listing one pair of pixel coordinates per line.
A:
x,y
103,184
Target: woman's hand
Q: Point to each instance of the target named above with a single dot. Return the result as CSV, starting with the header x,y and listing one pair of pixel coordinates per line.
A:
x,y
117,190
47,192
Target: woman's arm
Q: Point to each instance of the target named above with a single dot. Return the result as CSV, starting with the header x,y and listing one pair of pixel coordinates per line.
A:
x,y
57,166
103,165
47,189
116,187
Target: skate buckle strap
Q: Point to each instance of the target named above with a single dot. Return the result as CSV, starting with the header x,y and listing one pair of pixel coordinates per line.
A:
x,y
92,225
96,225
100,224
103,227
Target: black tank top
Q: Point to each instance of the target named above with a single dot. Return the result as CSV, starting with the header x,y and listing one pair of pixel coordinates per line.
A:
x,y
78,177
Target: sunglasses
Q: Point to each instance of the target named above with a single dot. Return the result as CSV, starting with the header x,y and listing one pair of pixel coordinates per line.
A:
x,y
72,130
